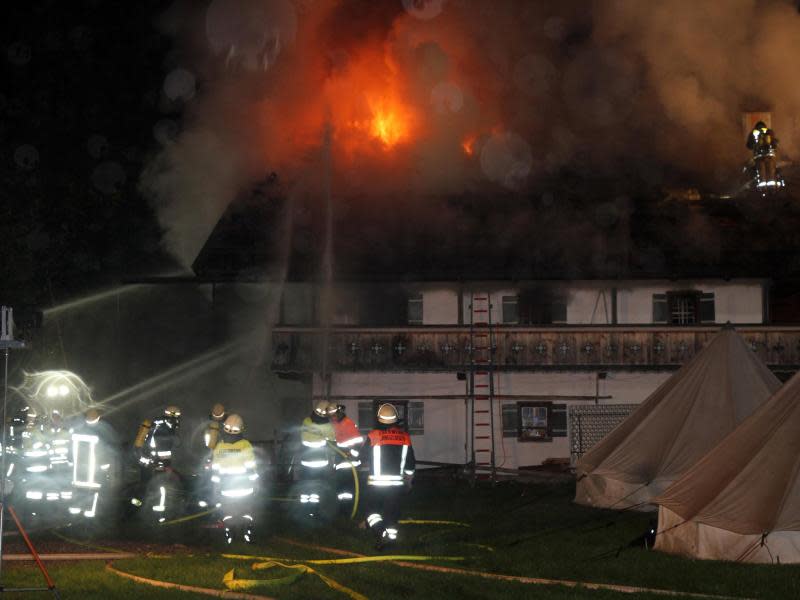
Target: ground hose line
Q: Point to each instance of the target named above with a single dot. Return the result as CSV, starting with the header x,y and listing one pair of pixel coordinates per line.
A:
x,y
232,583
85,544
627,589
186,588
355,480
341,561
432,522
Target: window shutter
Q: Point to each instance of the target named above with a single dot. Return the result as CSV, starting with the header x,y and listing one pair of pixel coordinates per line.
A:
x,y
366,416
510,421
660,308
415,310
558,420
559,311
707,310
416,418
511,309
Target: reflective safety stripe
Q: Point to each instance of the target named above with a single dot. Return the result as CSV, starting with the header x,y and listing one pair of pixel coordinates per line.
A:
x,y
237,492
164,453
409,472
384,483
161,507
347,465
403,458
351,442
345,496
374,519
33,495
314,464
36,468
385,477
80,441
317,444
91,513
376,461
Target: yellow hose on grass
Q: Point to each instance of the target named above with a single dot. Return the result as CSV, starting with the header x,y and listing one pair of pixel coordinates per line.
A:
x,y
232,583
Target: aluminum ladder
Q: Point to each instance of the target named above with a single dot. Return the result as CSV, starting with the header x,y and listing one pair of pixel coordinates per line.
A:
x,y
482,385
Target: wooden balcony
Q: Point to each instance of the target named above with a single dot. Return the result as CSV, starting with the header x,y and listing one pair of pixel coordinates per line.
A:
x,y
298,349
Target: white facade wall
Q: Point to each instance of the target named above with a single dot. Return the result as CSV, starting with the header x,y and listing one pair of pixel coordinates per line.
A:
x,y
445,437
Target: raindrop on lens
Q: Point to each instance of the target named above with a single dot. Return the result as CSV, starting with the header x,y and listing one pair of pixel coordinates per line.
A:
x,y
109,177
97,146
180,85
26,157
165,131
19,54
424,10
506,158
447,97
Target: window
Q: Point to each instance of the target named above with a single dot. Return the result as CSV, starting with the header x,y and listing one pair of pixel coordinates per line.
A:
x,y
540,421
684,308
415,309
410,415
534,421
511,309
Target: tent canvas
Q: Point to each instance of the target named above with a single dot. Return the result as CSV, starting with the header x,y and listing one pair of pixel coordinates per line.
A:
x,y
742,500
678,424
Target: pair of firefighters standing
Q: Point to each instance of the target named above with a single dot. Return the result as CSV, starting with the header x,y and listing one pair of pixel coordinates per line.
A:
x,y
330,438
230,466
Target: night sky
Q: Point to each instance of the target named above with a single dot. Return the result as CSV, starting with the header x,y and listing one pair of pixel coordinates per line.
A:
x,y
79,98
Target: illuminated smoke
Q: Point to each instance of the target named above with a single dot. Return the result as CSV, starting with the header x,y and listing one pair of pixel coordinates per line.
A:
x,y
435,98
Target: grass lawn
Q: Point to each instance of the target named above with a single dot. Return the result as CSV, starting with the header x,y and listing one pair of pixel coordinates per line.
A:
x,y
527,530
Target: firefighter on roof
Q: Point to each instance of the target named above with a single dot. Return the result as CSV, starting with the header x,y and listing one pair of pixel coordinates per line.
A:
x,y
763,143
391,467
155,443
348,443
315,456
235,475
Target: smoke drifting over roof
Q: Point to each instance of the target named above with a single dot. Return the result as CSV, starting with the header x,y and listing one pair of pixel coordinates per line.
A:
x,y
450,97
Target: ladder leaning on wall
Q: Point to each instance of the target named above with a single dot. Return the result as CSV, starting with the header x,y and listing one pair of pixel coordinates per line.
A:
x,y
482,385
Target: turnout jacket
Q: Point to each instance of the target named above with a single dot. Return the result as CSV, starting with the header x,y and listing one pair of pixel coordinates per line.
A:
x,y
315,434
349,440
233,467
391,456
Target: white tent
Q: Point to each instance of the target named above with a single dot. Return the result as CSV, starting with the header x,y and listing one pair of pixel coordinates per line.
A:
x,y
678,424
742,500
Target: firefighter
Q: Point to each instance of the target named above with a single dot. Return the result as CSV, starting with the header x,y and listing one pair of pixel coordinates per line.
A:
x,y
315,456
763,143
391,468
235,476
215,419
348,443
92,457
155,444
211,436
45,467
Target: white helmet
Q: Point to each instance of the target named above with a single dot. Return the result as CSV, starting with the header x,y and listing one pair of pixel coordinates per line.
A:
x,y
387,414
172,411
234,424
321,408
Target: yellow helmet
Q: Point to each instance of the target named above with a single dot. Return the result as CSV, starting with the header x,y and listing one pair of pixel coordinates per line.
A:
x,y
387,414
234,424
321,408
92,416
218,412
332,408
172,411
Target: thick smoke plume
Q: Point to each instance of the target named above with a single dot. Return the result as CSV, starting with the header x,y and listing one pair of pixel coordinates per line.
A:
x,y
438,97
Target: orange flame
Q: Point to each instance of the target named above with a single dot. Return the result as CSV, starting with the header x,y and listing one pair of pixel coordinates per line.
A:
x,y
468,145
389,123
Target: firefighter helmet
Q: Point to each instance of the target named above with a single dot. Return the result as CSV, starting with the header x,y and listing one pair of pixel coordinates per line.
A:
x,y
92,416
760,126
333,408
387,414
218,412
321,409
172,411
234,424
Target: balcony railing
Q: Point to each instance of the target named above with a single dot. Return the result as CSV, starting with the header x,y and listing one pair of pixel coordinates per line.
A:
x,y
298,349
